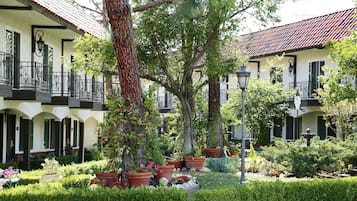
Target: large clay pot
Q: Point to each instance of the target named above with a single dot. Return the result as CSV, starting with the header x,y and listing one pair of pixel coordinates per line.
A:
x,y
194,162
176,163
165,171
213,152
233,153
108,178
138,179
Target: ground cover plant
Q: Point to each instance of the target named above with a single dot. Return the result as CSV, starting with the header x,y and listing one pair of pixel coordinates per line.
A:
x,y
331,156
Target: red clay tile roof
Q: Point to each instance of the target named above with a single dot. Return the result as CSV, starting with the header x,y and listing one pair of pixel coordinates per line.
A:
x,y
71,15
306,34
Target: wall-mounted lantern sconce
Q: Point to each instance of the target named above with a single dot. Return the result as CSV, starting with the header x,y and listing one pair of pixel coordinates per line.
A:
x,y
291,65
39,42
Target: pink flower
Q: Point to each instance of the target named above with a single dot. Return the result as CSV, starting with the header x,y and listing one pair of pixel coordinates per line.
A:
x,y
150,165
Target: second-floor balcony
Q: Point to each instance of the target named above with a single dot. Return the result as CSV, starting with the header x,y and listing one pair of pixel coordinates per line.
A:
x,y
307,91
31,81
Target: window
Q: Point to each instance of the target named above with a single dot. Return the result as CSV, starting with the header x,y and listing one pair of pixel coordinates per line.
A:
x,y
315,70
49,134
276,75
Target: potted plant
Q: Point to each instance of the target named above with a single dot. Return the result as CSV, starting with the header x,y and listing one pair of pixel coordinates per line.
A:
x,y
233,149
176,160
163,171
195,160
213,152
140,176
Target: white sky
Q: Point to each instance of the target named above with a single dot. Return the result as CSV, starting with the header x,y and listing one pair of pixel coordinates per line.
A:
x,y
300,9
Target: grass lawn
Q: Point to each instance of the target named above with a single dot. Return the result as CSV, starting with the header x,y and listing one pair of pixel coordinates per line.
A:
x,y
216,180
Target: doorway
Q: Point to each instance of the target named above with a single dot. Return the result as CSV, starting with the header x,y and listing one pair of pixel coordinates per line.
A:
x,y
10,137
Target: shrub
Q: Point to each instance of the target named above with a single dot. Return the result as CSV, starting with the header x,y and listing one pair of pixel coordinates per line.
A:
x,y
75,181
327,156
223,164
67,159
56,192
8,164
326,190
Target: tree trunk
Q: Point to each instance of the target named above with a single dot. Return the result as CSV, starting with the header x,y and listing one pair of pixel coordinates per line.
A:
x,y
214,134
214,137
119,13
109,86
186,111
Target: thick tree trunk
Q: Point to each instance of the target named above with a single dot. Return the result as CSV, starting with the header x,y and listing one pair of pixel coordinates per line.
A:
x,y
119,12
214,137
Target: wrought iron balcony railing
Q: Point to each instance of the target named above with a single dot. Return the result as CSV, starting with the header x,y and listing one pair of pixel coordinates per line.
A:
x,y
306,89
65,84
32,76
91,90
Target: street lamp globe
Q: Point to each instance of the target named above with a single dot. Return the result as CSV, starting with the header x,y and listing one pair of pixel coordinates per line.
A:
x,y
243,77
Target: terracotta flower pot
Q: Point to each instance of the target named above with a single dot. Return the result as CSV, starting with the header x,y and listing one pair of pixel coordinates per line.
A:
x,y
108,178
194,162
176,163
165,171
213,152
233,153
138,179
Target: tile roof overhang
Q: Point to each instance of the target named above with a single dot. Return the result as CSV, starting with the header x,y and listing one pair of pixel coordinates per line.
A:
x,y
307,34
66,13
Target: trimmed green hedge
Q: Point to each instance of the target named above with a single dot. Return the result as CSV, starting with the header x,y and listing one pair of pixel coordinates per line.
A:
x,y
56,192
314,190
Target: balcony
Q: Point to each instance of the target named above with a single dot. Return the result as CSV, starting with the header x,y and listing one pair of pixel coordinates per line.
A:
x,y
91,94
307,91
31,81
6,63
66,93
165,103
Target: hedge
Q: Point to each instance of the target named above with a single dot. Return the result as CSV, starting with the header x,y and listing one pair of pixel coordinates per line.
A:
x,y
314,190
68,190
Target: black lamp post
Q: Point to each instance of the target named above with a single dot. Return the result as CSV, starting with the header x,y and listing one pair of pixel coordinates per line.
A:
x,y
243,79
297,103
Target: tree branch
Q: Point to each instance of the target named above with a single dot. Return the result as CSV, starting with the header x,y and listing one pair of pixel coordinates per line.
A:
x,y
153,4
200,54
160,82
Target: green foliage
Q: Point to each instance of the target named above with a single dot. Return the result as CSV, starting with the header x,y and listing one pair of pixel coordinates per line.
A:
x,y
266,106
339,94
94,56
67,159
327,156
8,164
56,192
75,181
223,164
130,128
92,154
215,180
314,190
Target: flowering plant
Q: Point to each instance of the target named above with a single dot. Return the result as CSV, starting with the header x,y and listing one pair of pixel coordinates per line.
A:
x,y
149,168
7,176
